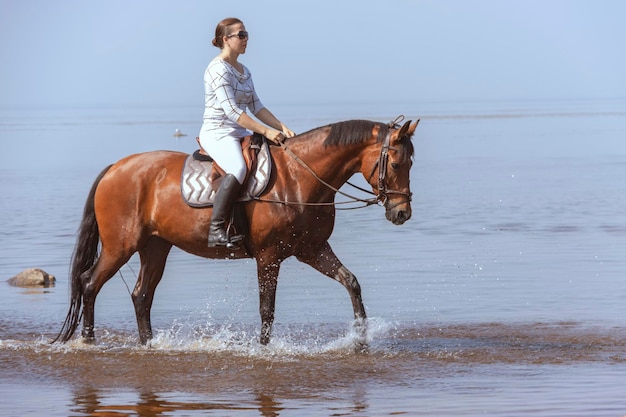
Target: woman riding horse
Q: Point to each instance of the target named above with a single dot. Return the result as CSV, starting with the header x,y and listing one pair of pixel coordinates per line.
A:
x,y
136,206
229,91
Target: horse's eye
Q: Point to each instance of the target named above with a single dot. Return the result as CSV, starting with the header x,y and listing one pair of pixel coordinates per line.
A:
x,y
395,165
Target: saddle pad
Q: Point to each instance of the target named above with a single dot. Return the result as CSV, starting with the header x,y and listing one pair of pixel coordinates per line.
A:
x,y
197,188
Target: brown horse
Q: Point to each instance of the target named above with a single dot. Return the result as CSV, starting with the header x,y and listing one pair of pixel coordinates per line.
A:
x,y
135,205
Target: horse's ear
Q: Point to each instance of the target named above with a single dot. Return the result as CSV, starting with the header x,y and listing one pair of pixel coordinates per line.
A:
x,y
408,129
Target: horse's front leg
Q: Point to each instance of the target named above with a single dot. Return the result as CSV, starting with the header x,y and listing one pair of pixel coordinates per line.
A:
x,y
326,262
267,273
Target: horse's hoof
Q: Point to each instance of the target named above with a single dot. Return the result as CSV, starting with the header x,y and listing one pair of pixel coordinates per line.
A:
x,y
89,340
361,347
146,342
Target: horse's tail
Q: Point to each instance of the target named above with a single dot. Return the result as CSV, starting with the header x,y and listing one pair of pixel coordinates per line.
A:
x,y
83,258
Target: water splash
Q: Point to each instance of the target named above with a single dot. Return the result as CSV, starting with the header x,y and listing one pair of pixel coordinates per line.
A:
x,y
205,336
287,341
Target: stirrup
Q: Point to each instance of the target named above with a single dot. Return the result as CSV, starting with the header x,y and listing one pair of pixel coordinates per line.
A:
x,y
230,242
232,246
235,238
233,242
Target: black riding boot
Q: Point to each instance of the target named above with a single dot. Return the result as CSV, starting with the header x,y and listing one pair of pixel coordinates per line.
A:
x,y
222,206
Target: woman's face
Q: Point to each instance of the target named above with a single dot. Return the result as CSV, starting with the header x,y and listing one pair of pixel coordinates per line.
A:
x,y
237,38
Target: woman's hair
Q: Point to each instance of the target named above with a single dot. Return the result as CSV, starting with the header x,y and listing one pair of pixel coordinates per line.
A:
x,y
222,30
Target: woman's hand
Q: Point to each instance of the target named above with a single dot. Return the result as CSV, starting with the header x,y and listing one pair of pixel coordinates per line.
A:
x,y
277,136
288,132
274,135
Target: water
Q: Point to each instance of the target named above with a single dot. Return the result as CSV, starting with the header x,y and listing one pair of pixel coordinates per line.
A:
x,y
503,295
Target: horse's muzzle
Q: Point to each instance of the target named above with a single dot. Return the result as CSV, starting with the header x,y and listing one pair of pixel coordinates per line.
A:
x,y
399,214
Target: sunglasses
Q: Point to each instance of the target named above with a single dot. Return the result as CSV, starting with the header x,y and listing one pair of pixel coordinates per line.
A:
x,y
242,34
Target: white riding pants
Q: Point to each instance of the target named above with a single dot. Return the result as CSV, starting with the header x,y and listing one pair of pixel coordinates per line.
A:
x,y
226,151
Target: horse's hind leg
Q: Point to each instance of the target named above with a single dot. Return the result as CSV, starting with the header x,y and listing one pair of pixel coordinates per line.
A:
x,y
153,257
326,262
92,281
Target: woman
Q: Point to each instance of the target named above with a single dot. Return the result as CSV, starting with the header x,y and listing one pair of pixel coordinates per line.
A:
x,y
229,92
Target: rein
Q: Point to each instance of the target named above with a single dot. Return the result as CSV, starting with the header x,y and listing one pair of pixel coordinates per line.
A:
x,y
380,198
367,202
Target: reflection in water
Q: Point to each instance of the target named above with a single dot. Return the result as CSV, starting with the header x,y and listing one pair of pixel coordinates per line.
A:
x,y
99,402
94,402
268,406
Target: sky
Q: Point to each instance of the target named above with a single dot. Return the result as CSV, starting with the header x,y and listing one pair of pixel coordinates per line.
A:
x,y
115,53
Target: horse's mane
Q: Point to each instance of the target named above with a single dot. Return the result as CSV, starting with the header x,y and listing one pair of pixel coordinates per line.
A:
x,y
353,132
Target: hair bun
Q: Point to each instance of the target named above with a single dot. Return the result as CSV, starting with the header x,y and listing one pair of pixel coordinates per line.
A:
x,y
214,42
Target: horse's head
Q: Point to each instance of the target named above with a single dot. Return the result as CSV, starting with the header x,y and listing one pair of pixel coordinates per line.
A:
x,y
390,172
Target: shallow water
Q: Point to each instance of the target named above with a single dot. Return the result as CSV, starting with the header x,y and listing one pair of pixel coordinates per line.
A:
x,y
503,295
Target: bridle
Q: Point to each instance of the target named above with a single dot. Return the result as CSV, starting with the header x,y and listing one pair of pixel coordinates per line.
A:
x,y
382,164
379,198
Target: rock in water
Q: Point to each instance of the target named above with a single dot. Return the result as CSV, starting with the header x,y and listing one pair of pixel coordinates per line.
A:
x,y
33,277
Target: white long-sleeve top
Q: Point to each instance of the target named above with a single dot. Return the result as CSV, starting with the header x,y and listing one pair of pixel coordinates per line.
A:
x,y
227,94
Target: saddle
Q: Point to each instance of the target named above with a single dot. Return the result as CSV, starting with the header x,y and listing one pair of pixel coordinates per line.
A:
x,y
201,176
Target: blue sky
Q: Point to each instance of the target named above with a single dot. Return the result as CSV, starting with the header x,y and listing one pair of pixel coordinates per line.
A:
x,y
69,53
